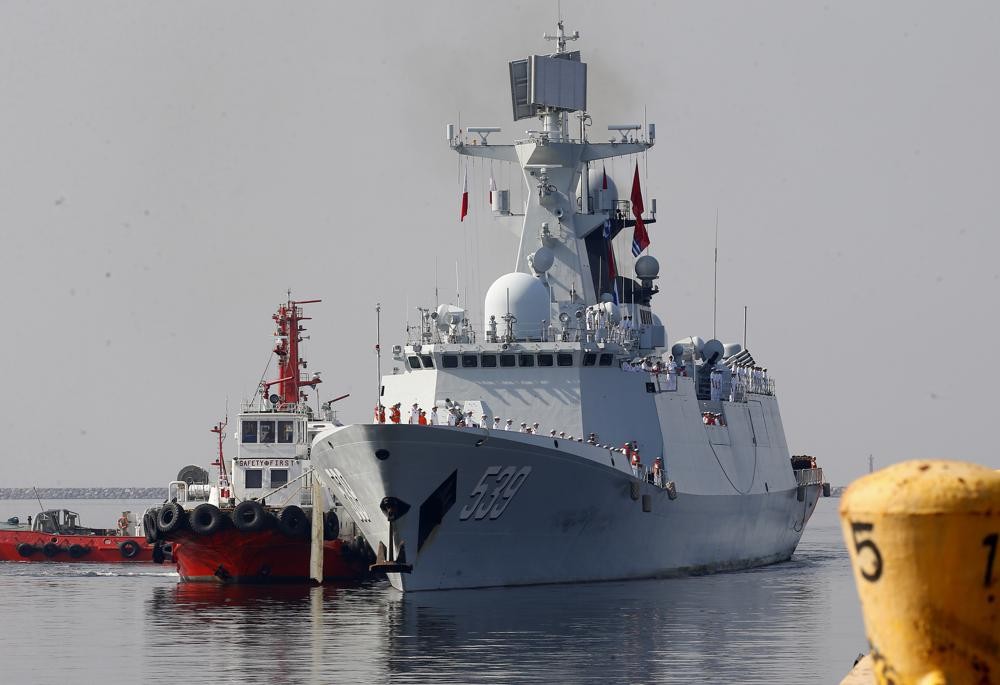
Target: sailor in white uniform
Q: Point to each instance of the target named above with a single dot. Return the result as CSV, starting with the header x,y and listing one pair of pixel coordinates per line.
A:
x,y
509,425
415,414
715,383
434,416
496,423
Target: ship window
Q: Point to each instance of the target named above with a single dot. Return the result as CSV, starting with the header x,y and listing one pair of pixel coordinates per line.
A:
x,y
414,362
507,360
253,478
526,360
249,431
286,432
449,361
606,359
427,360
545,360
490,361
279,477
267,431
589,358
469,361
564,359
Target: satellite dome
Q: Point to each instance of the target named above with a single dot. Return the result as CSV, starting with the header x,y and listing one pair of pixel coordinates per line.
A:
x,y
528,302
647,267
542,259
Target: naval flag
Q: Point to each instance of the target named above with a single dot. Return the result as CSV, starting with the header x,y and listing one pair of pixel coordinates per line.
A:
x,y
640,239
465,196
493,187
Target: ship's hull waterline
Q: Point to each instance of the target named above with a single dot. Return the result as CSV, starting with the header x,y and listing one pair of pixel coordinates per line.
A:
x,y
493,509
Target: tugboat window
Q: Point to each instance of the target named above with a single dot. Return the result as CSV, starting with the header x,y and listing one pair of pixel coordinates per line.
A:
x,y
605,360
564,359
253,478
469,361
589,359
449,361
286,433
526,360
507,360
414,362
427,360
267,431
279,477
545,360
489,361
249,431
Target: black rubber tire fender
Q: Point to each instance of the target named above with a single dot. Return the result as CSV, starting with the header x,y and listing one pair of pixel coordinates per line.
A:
x,y
77,551
293,522
149,526
331,526
206,519
250,516
128,549
26,550
50,549
171,518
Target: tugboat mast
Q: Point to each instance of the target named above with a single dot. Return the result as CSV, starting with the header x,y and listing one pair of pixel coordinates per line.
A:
x,y
290,381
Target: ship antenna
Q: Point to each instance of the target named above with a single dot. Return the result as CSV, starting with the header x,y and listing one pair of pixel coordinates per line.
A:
x,y
744,327
378,351
715,290
561,36
40,507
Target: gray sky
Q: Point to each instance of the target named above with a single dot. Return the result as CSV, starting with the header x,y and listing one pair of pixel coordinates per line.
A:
x,y
170,169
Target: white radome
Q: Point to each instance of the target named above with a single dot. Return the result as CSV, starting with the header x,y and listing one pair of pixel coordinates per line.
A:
x,y
528,302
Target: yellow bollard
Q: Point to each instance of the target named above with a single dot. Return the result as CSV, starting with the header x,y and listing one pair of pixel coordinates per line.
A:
x,y
923,538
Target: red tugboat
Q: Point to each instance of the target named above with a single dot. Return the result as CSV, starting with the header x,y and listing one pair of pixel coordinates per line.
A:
x,y
56,535
255,526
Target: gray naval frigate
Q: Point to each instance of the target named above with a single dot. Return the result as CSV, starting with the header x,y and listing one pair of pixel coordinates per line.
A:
x,y
646,460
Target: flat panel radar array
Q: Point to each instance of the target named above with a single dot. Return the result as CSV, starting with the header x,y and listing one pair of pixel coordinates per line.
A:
x,y
548,82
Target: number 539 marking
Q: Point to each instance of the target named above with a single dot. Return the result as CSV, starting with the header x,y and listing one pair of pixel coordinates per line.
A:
x,y
508,480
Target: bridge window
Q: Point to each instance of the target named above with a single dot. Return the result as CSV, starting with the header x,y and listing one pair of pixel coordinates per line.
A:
x,y
286,432
605,359
507,360
564,359
427,360
469,361
489,361
267,431
249,431
589,358
449,361
545,360
526,360
253,478
279,477
414,362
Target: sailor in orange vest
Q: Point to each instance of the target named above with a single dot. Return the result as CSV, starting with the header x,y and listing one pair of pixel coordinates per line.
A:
x,y
380,413
658,471
634,460
422,419
394,414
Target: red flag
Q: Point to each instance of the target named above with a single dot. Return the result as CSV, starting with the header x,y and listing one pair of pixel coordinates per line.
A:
x,y
612,267
640,239
465,196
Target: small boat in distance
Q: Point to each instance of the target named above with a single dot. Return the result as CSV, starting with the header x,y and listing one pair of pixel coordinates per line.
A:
x,y
56,535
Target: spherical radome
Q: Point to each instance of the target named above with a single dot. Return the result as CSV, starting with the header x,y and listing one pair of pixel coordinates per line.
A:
x,y
647,267
528,301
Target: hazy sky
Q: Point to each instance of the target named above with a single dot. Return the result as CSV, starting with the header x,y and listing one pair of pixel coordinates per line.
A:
x,y
170,169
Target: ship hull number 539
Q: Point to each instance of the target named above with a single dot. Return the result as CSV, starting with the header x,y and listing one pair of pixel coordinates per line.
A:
x,y
493,493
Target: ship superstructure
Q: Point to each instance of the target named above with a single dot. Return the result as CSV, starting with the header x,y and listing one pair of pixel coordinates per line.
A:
x,y
564,441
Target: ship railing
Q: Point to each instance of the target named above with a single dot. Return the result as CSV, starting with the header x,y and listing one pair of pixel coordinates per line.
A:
x,y
809,476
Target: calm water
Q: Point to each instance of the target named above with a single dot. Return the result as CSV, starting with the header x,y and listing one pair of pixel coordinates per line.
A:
x,y
790,623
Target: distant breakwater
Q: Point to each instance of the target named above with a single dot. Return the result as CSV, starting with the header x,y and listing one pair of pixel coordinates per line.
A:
x,y
83,493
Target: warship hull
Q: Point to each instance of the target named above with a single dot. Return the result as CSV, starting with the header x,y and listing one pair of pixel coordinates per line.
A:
x,y
496,508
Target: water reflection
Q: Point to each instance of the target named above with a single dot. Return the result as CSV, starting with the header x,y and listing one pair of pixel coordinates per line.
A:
x,y
713,628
